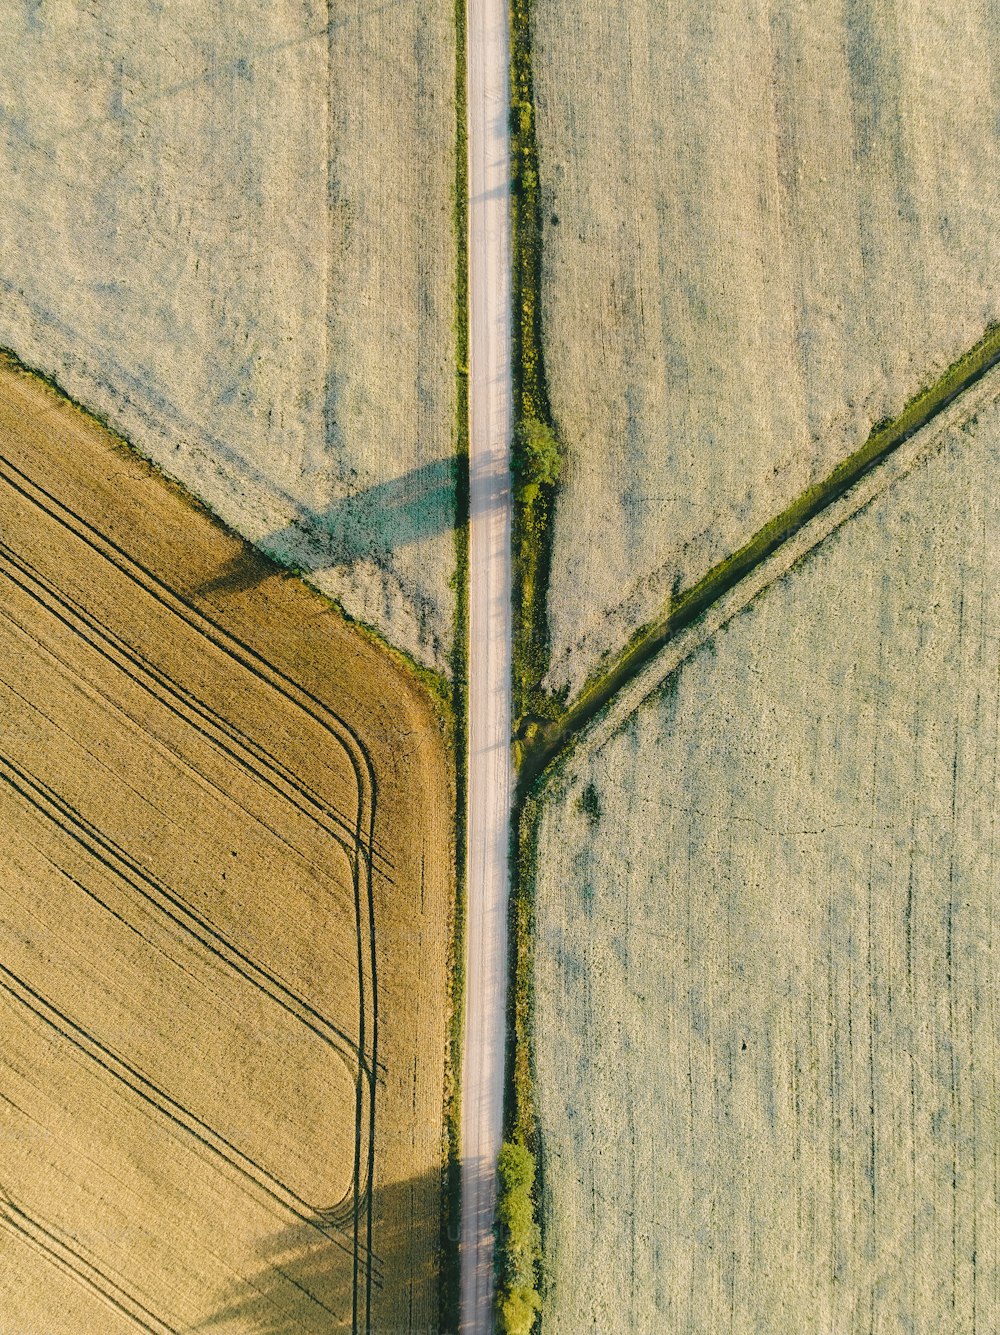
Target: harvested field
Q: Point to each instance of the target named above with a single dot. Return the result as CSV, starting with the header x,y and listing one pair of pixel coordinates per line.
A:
x,y
766,973
203,243
226,872
764,229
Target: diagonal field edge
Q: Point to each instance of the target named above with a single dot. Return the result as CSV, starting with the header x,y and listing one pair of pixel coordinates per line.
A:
x,y
915,452
543,742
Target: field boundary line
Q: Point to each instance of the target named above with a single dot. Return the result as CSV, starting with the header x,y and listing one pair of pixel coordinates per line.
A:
x,y
535,483
912,454
542,742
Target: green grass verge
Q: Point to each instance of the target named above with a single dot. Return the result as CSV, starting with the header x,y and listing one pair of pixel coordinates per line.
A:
x,y
519,1301
543,740
520,1248
534,487
535,467
521,1122
451,1220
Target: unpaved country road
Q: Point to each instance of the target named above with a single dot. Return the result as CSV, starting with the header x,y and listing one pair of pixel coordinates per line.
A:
x,y
489,794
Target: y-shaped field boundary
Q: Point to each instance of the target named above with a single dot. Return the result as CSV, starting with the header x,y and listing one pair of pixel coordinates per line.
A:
x,y
772,549
892,450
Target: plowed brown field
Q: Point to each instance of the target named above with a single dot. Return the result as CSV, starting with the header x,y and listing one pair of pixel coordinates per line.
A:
x,y
225,890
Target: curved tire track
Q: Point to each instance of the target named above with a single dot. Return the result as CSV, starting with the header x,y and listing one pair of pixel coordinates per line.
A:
x,y
363,832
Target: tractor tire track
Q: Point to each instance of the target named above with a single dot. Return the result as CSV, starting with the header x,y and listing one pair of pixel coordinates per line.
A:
x,y
225,735
260,669
104,850
88,1045
135,727
59,1252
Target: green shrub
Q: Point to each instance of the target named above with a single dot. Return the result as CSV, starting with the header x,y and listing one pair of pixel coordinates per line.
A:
x,y
520,1242
517,1312
537,459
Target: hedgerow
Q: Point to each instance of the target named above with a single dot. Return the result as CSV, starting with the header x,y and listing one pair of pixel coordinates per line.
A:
x,y
518,1300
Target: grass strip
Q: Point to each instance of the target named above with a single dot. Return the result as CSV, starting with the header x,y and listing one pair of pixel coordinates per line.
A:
x,y
521,1122
519,1301
542,740
535,472
535,468
519,1235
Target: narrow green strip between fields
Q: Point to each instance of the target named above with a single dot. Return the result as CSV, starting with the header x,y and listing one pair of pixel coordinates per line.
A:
x,y
520,1249
451,1221
542,740
535,453
535,467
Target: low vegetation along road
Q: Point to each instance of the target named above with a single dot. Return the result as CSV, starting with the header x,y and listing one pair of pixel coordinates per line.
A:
x,y
489,649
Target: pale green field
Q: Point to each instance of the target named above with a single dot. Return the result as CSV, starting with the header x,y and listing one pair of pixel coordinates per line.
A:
x,y
766,958
228,229
766,227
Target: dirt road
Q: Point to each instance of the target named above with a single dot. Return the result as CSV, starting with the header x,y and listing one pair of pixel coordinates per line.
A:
x,y
489,651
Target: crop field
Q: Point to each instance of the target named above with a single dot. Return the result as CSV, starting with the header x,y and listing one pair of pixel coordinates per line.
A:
x,y
766,971
229,231
765,228
226,874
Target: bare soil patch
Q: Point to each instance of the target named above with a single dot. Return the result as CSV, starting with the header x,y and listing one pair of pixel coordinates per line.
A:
x,y
226,883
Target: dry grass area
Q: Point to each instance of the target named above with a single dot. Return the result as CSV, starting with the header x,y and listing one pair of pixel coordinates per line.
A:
x,y
766,958
765,228
226,873
228,229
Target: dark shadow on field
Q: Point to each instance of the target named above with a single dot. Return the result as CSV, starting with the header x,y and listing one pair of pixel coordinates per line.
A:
x,y
241,572
305,1281
375,522
369,525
